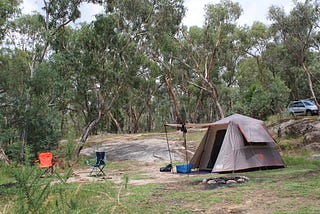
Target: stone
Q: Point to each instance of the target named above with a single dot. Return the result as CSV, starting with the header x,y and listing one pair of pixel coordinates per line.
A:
x,y
299,127
211,182
311,137
313,147
314,157
231,182
245,178
221,181
240,180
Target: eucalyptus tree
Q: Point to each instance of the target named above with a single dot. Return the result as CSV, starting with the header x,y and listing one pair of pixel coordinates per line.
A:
x,y
161,45
140,91
298,31
154,25
253,41
8,10
261,89
33,34
207,59
108,61
256,98
13,78
93,67
191,45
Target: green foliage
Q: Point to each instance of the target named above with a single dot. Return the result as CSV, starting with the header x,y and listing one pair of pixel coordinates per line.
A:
x,y
13,151
28,189
61,12
287,145
115,74
301,162
297,31
32,191
125,181
8,9
260,96
5,171
69,147
13,79
43,126
225,11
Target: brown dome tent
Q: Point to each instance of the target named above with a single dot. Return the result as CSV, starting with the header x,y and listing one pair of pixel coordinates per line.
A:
x,y
236,143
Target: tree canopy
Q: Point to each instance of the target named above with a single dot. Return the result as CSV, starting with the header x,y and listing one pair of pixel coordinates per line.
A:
x,y
136,67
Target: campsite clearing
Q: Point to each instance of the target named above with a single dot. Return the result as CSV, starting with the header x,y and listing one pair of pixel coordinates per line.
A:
x,y
134,183
294,189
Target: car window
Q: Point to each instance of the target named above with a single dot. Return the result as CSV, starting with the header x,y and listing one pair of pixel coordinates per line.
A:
x,y
291,105
308,103
300,104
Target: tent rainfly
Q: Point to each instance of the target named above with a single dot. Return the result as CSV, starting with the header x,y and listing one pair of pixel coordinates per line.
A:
x,y
236,143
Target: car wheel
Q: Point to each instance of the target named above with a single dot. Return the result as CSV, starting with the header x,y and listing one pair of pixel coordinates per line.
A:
x,y
309,113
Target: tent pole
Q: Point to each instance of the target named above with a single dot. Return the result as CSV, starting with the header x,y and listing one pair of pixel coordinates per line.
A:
x,y
165,128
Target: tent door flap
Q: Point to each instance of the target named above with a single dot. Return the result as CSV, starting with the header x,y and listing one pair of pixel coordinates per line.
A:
x,y
216,147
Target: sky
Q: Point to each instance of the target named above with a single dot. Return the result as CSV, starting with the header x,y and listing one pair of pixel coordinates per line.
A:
x,y
253,10
88,11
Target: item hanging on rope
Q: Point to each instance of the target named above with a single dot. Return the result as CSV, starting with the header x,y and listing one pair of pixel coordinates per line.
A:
x,y
184,130
165,128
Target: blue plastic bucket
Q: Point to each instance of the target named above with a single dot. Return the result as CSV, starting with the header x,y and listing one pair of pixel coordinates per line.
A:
x,y
185,168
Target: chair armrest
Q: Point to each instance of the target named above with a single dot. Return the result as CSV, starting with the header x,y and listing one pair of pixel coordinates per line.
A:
x,y
91,161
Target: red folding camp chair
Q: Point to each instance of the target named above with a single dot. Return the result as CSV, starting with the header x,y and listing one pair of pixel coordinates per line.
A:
x,y
46,162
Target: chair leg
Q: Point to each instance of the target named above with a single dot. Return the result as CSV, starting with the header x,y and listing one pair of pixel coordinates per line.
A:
x,y
93,169
96,171
101,169
50,169
47,170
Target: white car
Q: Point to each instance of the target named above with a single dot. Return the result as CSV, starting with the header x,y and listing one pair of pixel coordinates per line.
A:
x,y
303,107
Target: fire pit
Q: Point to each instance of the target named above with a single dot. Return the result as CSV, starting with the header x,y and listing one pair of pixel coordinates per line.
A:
x,y
212,183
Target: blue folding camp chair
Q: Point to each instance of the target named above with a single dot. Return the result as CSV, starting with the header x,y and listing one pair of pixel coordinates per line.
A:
x,y
100,163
